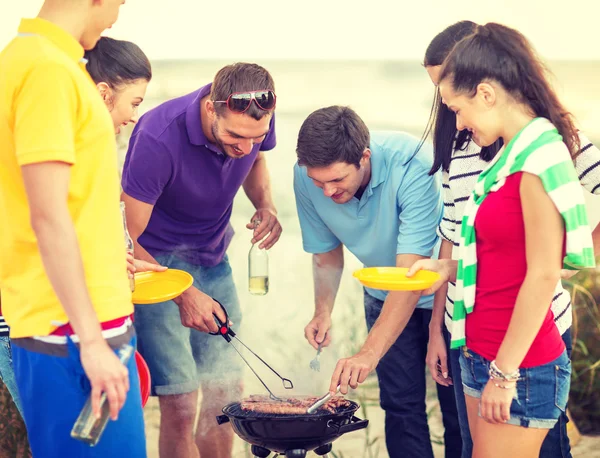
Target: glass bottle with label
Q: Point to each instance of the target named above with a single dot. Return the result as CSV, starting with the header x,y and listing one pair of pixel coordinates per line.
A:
x,y
258,269
87,427
128,243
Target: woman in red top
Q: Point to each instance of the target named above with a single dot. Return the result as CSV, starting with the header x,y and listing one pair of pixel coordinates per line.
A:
x,y
514,367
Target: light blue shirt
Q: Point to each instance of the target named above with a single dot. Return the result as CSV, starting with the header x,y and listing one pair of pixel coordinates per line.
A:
x,y
398,212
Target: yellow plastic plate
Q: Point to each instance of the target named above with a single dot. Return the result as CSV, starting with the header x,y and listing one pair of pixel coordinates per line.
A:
x,y
394,278
153,287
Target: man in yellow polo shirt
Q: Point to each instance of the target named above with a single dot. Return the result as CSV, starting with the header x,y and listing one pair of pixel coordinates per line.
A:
x,y
65,292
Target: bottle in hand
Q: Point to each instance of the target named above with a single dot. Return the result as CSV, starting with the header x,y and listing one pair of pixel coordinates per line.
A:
x,y
87,427
128,243
258,269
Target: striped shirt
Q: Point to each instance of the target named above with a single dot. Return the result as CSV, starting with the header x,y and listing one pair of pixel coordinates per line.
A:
x,y
458,184
3,327
4,331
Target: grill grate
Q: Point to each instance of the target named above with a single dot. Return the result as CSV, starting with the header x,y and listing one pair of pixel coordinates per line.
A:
x,y
235,410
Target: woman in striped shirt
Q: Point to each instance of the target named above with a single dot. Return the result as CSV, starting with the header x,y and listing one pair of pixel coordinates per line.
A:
x,y
462,161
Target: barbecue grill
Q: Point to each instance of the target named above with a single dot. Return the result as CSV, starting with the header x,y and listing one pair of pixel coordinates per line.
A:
x,y
292,436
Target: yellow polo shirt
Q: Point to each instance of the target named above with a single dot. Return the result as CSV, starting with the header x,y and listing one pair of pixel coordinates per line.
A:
x,y
50,110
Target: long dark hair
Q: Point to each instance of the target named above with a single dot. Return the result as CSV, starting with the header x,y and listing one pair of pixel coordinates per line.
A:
x,y
442,121
117,62
498,53
443,42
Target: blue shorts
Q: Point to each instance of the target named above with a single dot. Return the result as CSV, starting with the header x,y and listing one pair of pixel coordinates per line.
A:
x,y
542,391
181,358
53,391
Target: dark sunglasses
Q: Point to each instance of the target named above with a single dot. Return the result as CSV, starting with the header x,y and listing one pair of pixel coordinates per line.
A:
x,y
239,102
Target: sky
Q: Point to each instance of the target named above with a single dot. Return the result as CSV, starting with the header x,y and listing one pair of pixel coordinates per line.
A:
x,y
331,29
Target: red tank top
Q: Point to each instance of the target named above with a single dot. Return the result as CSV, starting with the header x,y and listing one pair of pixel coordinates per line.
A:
x,y
501,269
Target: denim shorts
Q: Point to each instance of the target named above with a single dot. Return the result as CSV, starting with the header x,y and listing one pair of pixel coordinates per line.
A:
x,y
181,358
7,374
542,391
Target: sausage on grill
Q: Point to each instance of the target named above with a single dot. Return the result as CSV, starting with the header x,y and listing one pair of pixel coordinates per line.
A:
x,y
289,406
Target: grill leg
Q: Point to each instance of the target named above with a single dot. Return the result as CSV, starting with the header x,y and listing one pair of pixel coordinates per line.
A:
x,y
260,452
323,450
296,453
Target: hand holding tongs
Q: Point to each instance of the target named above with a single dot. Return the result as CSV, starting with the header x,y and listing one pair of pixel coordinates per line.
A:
x,y
227,333
322,400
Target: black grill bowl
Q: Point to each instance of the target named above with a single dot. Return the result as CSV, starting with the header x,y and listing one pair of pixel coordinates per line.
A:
x,y
280,433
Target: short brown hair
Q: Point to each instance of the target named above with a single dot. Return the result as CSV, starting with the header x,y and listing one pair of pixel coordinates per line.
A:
x,y
332,134
241,77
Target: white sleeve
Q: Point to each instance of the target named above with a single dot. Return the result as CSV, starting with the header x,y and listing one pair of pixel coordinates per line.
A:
x,y
587,165
447,226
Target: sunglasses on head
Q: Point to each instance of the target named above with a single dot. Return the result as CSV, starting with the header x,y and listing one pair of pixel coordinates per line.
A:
x,y
239,102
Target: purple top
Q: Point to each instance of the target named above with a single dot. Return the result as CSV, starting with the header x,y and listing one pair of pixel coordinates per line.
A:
x,y
171,164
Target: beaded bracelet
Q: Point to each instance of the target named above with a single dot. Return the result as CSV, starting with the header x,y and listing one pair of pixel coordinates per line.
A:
x,y
497,374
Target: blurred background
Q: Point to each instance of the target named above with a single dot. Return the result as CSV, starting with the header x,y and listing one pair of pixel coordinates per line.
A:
x,y
366,55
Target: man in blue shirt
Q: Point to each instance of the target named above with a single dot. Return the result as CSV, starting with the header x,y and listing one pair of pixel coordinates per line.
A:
x,y
373,194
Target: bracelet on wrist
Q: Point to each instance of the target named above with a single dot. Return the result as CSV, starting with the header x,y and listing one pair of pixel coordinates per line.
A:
x,y
497,374
504,386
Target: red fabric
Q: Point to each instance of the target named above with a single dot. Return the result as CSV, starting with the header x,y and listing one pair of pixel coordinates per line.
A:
x,y
501,269
67,330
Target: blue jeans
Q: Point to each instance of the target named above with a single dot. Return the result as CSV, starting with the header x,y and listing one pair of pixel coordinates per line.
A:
x,y
461,405
55,389
7,374
181,358
556,444
402,384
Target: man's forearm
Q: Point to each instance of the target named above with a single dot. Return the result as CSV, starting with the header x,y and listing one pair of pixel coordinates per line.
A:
x,y
59,250
257,185
395,314
397,310
327,273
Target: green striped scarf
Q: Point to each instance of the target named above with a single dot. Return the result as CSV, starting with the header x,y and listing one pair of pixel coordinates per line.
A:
x,y
537,149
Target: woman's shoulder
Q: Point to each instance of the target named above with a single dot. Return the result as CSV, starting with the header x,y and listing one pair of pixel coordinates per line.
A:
x,y
587,165
467,161
470,148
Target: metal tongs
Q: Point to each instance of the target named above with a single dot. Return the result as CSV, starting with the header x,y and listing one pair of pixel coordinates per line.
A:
x,y
227,333
322,400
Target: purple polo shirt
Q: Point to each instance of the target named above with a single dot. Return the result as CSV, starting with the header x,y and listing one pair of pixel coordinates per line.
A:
x,y
171,165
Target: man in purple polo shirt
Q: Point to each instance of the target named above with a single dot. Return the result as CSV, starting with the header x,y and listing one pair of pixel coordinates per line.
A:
x,y
187,159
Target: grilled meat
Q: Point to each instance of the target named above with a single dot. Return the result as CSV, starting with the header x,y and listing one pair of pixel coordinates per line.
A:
x,y
290,406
